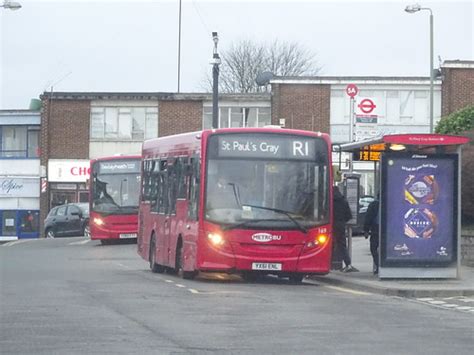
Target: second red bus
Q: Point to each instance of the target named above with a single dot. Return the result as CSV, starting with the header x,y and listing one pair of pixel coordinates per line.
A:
x,y
114,196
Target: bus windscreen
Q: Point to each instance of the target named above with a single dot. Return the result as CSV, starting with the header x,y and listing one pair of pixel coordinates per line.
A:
x,y
116,187
267,181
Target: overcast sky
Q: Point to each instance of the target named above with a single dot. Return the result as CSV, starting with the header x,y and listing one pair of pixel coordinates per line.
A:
x,y
107,45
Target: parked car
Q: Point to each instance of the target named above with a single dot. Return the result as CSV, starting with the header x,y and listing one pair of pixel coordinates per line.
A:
x,y
67,220
364,202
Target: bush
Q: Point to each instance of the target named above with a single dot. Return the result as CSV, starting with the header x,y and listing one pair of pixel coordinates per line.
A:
x,y
457,122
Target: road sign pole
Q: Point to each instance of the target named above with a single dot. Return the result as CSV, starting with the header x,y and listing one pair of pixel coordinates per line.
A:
x,y
353,120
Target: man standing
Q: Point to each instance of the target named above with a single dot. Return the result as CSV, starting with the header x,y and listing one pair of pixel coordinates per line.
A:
x,y
342,214
371,227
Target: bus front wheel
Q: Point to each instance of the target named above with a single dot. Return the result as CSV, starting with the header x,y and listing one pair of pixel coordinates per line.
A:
x,y
187,275
296,279
154,267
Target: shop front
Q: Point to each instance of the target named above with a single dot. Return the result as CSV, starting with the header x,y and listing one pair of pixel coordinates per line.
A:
x,y
68,181
19,211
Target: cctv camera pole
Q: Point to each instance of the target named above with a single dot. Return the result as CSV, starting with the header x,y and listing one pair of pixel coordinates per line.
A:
x,y
216,61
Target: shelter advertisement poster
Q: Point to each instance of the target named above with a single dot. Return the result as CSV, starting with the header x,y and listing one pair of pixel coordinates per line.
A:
x,y
419,209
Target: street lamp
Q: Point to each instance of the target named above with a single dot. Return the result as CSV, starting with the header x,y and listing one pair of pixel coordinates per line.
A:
x,y
216,61
179,45
11,5
411,9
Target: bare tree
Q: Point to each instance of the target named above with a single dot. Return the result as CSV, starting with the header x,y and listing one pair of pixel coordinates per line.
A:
x,y
245,59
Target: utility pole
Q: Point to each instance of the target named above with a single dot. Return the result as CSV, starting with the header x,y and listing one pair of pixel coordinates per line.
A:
x,y
216,61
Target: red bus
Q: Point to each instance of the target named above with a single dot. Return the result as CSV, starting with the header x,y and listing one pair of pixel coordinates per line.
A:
x,y
237,200
114,191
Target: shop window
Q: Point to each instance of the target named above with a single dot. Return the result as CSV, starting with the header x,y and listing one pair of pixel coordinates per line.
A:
x,y
29,222
9,223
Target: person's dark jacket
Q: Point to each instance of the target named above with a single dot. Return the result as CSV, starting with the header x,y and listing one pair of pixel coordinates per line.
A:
x,y
342,212
371,222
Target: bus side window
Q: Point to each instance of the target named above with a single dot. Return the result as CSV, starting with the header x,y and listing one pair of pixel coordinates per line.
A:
x,y
147,180
193,188
181,177
154,184
172,188
163,186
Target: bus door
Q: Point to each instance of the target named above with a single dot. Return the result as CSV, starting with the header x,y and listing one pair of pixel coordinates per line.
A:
x,y
163,220
171,188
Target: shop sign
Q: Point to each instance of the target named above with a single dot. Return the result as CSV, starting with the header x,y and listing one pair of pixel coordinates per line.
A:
x,y
19,187
60,170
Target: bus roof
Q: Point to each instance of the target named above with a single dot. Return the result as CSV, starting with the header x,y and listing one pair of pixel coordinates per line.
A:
x,y
192,140
116,157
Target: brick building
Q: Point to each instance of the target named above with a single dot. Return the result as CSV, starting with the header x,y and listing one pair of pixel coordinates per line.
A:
x,y
458,85
458,92
77,127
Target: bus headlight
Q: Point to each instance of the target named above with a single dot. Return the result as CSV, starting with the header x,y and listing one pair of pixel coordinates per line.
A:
x,y
98,221
319,240
215,239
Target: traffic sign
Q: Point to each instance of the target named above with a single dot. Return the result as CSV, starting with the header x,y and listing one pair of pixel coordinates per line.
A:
x,y
352,90
366,106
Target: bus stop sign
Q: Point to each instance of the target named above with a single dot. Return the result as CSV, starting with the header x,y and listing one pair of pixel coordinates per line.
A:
x,y
352,90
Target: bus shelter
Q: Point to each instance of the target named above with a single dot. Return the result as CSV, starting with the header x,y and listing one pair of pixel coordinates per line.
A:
x,y
418,179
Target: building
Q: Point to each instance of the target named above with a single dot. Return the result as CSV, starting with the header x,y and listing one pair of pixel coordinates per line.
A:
x,y
77,127
381,105
19,174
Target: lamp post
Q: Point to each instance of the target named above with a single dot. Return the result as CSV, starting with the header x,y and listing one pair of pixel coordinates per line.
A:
x,y
216,61
411,9
11,5
179,45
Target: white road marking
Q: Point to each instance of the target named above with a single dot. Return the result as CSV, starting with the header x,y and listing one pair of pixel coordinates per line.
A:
x,y
16,242
465,308
81,242
170,281
341,289
192,290
124,266
452,304
180,285
437,302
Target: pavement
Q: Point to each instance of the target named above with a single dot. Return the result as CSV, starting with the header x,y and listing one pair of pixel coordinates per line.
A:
x,y
364,280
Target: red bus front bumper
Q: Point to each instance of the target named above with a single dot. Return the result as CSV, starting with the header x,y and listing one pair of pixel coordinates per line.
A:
x,y
113,227
290,252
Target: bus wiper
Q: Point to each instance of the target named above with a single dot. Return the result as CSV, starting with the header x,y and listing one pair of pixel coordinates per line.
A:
x,y
286,213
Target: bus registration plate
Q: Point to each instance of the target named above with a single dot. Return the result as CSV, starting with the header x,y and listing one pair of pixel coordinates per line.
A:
x,y
128,236
266,266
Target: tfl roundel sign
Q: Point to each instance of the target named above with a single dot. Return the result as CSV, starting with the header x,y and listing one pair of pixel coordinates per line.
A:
x,y
352,90
367,106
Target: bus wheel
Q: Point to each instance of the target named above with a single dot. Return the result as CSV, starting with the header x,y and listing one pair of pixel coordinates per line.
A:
x,y
249,276
187,275
296,279
154,267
